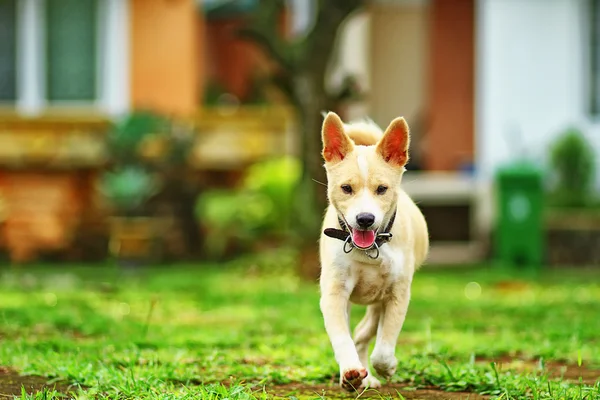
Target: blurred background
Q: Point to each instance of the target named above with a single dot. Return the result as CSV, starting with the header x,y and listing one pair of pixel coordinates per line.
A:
x,y
158,131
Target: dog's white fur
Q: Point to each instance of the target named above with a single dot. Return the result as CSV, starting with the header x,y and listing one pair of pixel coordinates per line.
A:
x,y
361,155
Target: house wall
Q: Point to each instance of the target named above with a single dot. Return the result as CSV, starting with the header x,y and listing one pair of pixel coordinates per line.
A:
x,y
398,56
385,47
531,78
352,57
418,62
165,72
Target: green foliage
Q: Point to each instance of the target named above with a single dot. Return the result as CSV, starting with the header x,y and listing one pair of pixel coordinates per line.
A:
x,y
128,133
128,188
275,180
257,92
573,164
260,207
131,135
213,93
216,94
144,148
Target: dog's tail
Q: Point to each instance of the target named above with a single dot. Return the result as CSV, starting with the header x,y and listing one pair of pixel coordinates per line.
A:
x,y
363,132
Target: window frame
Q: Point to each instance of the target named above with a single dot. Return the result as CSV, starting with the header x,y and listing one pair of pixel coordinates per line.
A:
x,y
592,64
11,103
112,62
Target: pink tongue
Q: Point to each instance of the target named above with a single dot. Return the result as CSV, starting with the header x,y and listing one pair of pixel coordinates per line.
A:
x,y
363,239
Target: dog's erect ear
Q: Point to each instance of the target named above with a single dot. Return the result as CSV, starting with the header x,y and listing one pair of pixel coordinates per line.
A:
x,y
336,144
393,146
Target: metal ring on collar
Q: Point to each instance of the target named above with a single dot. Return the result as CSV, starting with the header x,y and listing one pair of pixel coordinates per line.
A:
x,y
348,241
367,252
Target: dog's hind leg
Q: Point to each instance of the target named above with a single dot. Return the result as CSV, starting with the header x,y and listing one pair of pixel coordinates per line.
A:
x,y
363,334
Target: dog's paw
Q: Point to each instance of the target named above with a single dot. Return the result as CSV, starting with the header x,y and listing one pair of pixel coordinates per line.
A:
x,y
370,382
351,378
384,363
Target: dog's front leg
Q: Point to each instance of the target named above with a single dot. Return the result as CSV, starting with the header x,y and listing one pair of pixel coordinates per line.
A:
x,y
392,318
335,306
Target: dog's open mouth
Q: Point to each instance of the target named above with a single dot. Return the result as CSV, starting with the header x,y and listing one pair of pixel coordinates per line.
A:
x,y
363,239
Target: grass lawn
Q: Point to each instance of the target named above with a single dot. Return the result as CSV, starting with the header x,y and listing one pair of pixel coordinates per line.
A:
x,y
250,329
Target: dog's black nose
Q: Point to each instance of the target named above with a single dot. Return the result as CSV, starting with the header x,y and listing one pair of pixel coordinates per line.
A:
x,y
365,220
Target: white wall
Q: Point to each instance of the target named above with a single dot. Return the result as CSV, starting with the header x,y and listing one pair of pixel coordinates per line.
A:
x,y
370,45
352,58
531,77
399,64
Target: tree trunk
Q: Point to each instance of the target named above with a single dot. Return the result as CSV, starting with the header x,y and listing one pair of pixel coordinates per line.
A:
x,y
303,66
312,196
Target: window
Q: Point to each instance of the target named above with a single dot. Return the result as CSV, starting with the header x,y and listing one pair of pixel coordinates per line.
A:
x,y
8,47
71,46
64,53
594,58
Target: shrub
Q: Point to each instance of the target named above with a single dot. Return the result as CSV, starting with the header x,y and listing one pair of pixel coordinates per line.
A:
x,y
573,165
260,208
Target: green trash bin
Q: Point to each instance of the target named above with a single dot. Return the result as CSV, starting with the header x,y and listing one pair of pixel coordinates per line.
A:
x,y
519,229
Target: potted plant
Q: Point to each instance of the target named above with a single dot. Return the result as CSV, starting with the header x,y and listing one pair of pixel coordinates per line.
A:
x,y
573,213
133,230
145,150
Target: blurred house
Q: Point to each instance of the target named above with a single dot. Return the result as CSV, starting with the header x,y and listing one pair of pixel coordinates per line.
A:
x,y
70,67
479,81
538,66
417,59
482,83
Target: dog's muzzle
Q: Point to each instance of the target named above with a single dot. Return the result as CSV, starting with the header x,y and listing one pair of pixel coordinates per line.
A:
x,y
344,234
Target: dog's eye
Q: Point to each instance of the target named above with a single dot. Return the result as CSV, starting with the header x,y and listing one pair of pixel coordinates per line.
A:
x,y
347,189
381,189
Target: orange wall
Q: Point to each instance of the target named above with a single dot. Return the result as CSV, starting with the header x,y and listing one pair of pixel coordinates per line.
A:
x,y
451,84
166,70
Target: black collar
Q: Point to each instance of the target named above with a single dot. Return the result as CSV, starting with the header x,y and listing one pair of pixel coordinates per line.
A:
x,y
345,236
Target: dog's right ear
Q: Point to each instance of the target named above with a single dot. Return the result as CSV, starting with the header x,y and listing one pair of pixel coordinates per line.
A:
x,y
336,144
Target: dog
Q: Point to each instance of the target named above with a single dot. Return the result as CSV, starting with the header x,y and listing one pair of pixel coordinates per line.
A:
x,y
374,239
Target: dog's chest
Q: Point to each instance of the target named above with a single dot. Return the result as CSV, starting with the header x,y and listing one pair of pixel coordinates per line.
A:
x,y
374,281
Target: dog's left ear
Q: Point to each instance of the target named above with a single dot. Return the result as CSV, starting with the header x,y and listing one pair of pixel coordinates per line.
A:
x,y
393,146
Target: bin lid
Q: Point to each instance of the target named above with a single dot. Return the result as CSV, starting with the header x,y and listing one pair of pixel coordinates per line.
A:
x,y
520,169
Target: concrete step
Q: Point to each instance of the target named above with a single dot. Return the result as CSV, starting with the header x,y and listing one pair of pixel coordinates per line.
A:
x,y
456,253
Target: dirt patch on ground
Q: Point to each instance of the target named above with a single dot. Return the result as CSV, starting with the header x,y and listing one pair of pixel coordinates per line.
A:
x,y
511,286
303,391
554,369
11,383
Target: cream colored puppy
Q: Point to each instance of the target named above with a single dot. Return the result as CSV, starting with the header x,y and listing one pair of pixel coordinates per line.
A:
x,y
374,240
